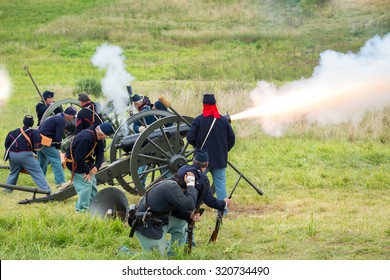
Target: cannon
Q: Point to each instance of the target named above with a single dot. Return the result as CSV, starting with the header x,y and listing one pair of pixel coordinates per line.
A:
x,y
161,150
139,160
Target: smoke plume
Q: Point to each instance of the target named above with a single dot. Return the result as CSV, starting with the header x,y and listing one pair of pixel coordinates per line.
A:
x,y
110,59
343,88
5,86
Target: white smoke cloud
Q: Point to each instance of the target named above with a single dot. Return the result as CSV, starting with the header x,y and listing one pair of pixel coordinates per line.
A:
x,y
343,88
5,86
111,59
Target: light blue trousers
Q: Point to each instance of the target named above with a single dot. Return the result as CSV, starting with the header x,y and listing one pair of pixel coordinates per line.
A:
x,y
176,228
26,160
86,191
52,155
219,181
149,244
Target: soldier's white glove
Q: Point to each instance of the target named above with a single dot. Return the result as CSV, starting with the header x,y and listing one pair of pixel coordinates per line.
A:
x,y
141,128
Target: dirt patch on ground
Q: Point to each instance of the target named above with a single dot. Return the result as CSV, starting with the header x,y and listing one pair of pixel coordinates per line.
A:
x,y
251,210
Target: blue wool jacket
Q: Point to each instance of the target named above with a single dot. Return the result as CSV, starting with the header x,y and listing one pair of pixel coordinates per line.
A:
x,y
81,146
219,142
86,117
148,120
161,200
21,144
202,184
41,108
54,128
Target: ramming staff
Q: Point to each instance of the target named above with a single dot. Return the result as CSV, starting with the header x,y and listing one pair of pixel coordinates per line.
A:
x,y
29,74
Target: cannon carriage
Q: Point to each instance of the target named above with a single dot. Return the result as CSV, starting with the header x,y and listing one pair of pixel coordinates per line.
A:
x,y
138,160
114,149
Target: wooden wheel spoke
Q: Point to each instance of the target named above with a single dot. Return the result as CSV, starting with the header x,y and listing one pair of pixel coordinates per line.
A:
x,y
153,158
158,147
166,139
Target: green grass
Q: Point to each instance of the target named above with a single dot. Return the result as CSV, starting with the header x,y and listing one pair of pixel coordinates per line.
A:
x,y
326,188
322,201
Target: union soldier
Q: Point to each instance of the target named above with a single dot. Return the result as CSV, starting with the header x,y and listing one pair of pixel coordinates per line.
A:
x,y
41,107
153,213
51,131
81,162
88,115
20,145
142,103
211,132
202,185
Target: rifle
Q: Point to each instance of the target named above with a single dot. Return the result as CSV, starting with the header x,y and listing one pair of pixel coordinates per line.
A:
x,y
190,230
29,74
191,225
218,221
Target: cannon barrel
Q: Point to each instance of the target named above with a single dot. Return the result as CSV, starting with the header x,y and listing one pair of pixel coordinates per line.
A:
x,y
127,143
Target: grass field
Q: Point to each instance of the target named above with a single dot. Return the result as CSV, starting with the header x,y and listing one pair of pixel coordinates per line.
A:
x,y
326,188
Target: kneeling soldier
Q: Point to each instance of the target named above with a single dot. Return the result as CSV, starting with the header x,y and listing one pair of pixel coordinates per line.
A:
x,y
179,232
152,215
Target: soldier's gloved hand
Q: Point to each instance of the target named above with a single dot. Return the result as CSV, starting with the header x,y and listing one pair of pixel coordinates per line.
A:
x,y
141,128
189,178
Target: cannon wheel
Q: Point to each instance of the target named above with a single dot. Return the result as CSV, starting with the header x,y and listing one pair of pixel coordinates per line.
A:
x,y
68,135
67,101
158,158
125,129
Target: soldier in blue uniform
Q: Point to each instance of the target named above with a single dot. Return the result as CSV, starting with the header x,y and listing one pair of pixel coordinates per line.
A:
x,y
152,217
212,132
142,103
88,115
41,107
181,217
81,162
51,131
20,145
